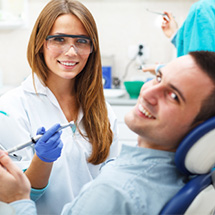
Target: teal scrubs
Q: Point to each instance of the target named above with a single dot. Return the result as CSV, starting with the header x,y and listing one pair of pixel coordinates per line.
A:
x,y
198,31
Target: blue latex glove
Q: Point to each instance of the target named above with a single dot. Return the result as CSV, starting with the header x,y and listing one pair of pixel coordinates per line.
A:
x,y
48,147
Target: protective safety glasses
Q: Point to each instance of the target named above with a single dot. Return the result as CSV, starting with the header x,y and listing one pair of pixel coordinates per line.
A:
x,y
63,42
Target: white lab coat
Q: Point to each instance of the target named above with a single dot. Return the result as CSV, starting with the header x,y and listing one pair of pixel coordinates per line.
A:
x,y
27,112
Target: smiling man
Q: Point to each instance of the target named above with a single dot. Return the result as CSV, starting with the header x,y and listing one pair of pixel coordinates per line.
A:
x,y
167,106
143,178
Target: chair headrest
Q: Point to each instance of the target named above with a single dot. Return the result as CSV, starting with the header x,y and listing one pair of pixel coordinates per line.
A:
x,y
196,152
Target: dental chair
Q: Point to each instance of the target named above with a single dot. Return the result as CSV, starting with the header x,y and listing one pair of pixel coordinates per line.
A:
x,y
195,157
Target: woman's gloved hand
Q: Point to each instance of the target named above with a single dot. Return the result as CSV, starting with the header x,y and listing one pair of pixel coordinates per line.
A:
x,y
48,147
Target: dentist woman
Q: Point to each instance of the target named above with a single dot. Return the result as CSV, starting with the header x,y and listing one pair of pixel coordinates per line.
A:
x,y
65,85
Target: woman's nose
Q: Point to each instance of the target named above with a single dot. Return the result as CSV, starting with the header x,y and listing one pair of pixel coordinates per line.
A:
x,y
71,51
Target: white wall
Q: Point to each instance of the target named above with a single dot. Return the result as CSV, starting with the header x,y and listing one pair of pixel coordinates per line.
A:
x,y
121,24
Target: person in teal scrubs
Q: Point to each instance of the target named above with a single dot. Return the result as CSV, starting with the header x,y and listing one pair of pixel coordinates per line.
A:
x,y
196,33
198,30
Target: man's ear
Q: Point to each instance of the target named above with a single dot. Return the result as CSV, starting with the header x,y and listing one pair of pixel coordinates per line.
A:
x,y
196,124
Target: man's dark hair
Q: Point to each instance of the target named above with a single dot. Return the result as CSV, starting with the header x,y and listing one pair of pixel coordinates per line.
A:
x,y
206,62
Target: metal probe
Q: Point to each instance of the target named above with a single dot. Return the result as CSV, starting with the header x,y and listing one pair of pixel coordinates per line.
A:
x,y
36,138
162,14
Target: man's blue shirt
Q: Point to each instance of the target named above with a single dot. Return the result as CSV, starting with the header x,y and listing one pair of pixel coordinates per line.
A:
x,y
139,181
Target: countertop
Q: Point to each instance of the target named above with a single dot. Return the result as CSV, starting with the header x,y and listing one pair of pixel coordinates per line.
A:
x,y
122,100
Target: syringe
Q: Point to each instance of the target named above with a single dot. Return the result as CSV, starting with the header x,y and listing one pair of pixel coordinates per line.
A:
x,y
36,138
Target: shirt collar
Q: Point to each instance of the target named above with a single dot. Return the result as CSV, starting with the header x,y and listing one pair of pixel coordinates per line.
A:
x,y
137,154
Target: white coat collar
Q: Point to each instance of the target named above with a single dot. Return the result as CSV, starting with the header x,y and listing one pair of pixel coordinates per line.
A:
x,y
41,89
28,86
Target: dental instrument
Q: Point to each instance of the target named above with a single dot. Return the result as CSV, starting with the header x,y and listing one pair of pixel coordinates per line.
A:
x,y
17,157
162,14
36,138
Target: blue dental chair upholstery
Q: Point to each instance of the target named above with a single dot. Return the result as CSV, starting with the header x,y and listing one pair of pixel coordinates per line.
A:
x,y
195,156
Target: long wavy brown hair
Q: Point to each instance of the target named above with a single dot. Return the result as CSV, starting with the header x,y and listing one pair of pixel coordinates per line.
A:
x,y
88,86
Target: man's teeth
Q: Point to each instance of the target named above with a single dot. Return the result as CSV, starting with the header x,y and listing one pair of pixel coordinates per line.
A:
x,y
68,64
145,112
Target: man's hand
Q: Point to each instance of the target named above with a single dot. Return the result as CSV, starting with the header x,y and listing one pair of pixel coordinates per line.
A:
x,y
14,185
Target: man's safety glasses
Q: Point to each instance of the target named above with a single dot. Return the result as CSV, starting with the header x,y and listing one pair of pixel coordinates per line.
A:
x,y
63,42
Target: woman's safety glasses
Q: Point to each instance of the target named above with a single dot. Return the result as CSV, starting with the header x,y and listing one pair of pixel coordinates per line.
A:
x,y
63,42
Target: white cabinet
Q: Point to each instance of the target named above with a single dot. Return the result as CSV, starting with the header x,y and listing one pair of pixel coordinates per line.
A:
x,y
126,136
